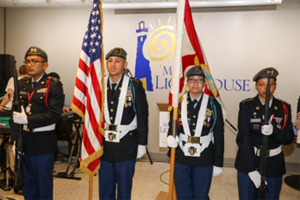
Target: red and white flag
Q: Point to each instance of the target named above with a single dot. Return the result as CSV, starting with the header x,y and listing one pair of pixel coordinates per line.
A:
x,y
190,53
89,94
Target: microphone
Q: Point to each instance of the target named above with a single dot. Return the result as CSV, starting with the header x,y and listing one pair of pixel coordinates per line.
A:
x,y
127,71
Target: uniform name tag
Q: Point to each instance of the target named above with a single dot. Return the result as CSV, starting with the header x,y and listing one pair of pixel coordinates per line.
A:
x,y
112,136
192,149
23,92
255,120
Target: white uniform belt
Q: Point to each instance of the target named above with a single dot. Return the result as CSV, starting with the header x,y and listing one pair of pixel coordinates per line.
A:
x,y
123,129
50,127
270,152
203,140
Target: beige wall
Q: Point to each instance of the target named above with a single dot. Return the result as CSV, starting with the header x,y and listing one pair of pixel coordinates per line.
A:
x,y
238,42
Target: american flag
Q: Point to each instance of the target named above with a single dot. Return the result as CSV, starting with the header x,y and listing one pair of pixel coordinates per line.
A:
x,y
191,53
89,94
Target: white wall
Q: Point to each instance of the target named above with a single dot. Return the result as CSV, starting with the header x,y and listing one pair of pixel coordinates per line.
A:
x,y
238,42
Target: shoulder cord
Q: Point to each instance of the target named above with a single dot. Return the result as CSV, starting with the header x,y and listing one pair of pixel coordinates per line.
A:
x,y
47,91
286,114
133,94
212,104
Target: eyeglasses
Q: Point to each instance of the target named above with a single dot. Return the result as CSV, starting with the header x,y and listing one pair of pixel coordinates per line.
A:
x,y
32,62
195,80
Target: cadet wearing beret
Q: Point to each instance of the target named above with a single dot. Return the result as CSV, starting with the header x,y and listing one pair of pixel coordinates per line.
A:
x,y
198,157
249,139
43,101
126,128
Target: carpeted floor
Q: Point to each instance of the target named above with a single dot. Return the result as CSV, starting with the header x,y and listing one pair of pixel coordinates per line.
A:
x,y
149,181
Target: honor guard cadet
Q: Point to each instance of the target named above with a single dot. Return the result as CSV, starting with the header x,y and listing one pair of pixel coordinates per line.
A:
x,y
126,128
249,139
200,135
43,100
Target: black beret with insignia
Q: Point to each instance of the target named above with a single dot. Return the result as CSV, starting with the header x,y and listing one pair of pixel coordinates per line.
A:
x,y
264,74
36,51
119,52
195,71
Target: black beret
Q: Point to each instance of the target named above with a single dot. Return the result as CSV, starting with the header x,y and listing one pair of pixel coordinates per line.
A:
x,y
119,52
35,51
264,74
195,71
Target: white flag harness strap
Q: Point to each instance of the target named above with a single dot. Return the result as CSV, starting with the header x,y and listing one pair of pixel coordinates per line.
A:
x,y
121,129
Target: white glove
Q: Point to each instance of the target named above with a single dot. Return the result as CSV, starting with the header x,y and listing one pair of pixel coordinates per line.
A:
x,y
20,118
141,151
267,129
172,142
217,171
255,178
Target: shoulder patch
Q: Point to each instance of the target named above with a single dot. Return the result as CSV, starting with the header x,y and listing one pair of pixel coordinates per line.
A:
x,y
53,78
283,101
25,78
134,79
249,99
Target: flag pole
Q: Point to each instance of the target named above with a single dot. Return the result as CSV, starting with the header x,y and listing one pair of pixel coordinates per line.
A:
x,y
176,72
91,187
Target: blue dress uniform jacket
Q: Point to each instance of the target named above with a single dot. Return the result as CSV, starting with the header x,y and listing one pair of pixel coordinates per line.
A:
x,y
213,154
250,120
41,143
126,149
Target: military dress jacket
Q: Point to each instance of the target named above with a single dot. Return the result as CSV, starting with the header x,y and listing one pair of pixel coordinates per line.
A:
x,y
46,101
250,120
214,153
135,104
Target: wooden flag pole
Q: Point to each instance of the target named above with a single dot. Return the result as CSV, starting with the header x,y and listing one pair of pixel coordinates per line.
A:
x,y
91,188
172,157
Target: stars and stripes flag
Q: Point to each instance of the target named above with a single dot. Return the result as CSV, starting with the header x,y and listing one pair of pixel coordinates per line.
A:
x,y
89,94
190,53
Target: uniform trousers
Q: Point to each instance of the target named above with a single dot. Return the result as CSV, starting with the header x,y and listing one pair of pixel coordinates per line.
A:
x,y
192,182
247,189
38,176
116,174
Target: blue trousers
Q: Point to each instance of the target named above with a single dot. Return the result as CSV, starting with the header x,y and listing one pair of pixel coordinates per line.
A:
x,y
247,189
38,176
114,175
192,182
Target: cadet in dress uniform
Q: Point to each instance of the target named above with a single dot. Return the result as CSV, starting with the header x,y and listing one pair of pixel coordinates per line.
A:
x,y
249,139
200,132
43,101
126,128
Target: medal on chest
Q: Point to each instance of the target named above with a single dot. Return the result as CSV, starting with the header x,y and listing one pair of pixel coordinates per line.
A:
x,y
28,107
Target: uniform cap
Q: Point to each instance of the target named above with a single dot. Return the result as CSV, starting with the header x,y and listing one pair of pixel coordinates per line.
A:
x,y
264,74
36,51
119,52
195,71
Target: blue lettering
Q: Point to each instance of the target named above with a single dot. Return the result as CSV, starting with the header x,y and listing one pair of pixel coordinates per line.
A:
x,y
221,84
244,81
237,83
225,80
157,83
166,72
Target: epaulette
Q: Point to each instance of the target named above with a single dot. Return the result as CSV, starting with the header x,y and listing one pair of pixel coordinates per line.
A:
x,y
283,101
249,99
53,78
134,79
25,78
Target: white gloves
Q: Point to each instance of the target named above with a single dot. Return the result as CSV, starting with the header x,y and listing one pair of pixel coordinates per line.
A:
x,y
217,171
141,151
20,118
267,129
172,142
255,178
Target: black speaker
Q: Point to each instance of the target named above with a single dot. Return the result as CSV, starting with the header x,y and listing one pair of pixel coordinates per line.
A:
x,y
7,65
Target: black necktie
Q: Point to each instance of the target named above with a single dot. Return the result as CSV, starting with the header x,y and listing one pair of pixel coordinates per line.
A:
x,y
34,84
113,85
194,103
